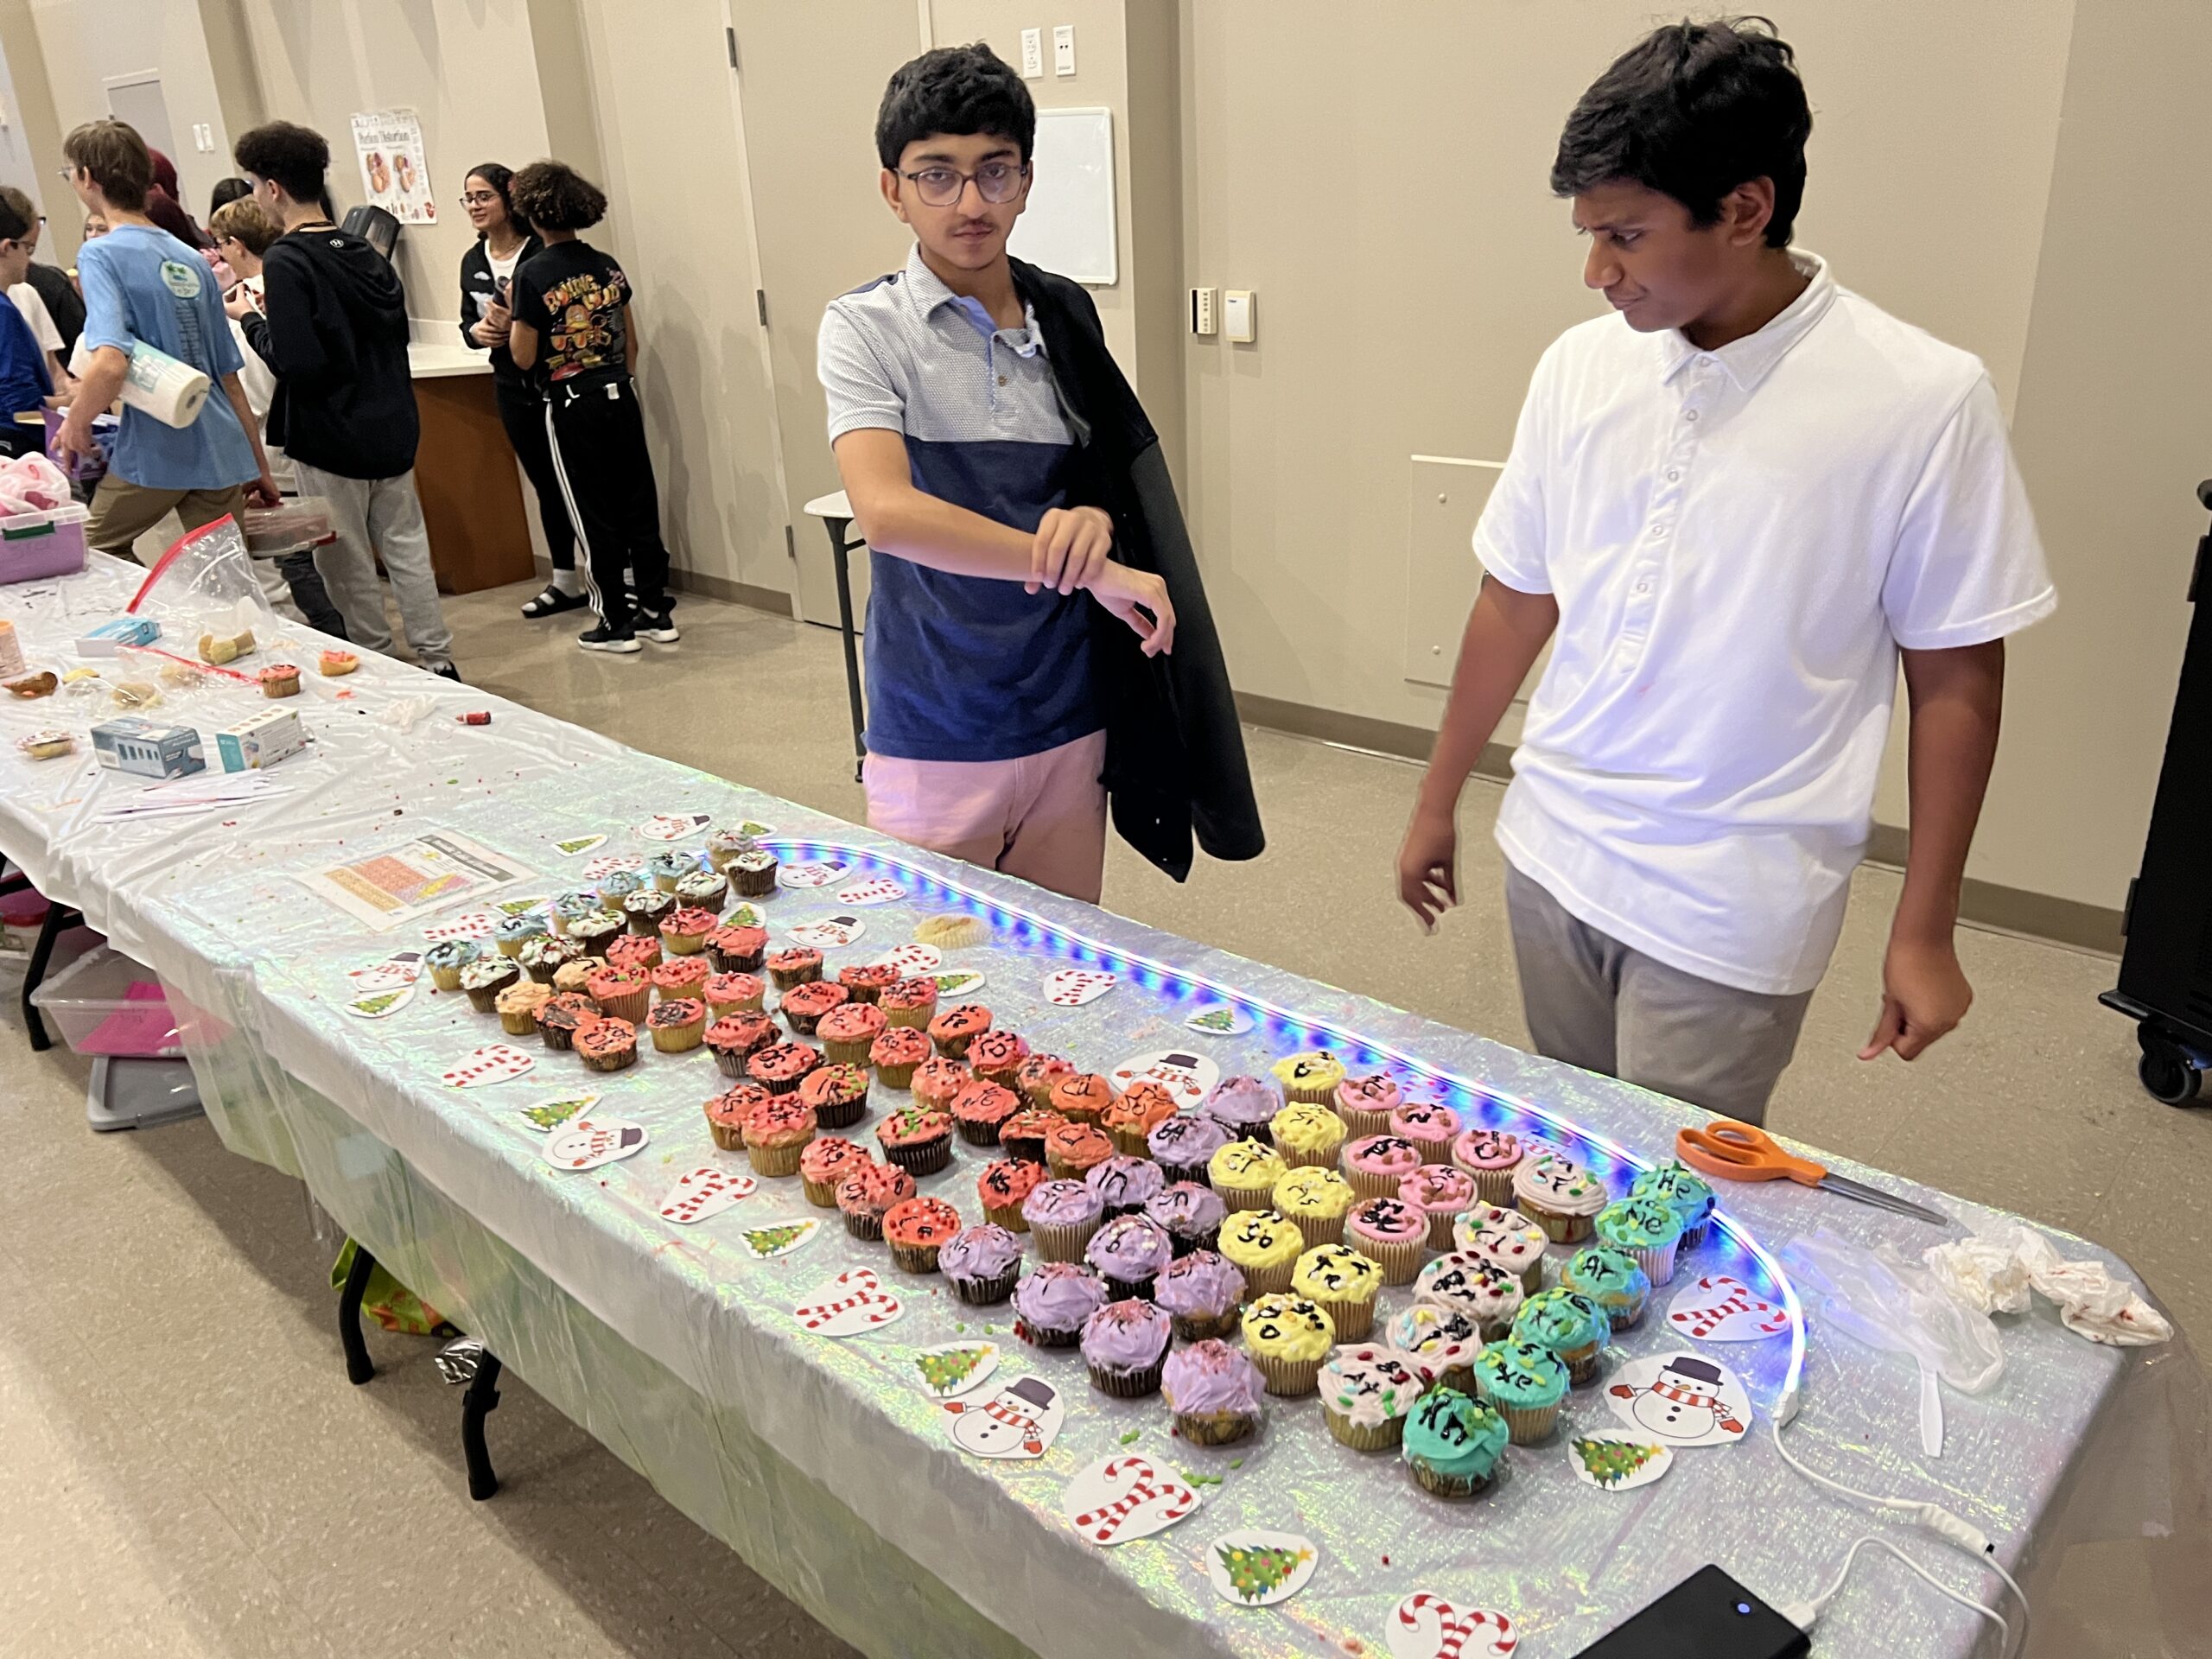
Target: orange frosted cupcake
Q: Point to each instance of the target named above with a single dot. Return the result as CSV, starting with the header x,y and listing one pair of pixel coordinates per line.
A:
x,y
678,1026
826,1161
955,1029
607,1044
803,1006
621,993
776,1135
996,1057
836,1094
733,994
681,976
1132,1119
867,981
797,966
736,948
782,1066
867,1194
915,1228
736,1037
980,1108
848,1031
910,1002
1002,1189
895,1054
634,951
727,1112
1073,1149
1023,1134
938,1079
1035,1078
916,1139
1083,1097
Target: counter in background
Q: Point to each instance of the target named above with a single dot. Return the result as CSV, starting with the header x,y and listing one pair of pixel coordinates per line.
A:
x,y
464,472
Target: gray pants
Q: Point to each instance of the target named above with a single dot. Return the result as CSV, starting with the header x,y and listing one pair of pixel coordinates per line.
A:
x,y
1593,1002
380,517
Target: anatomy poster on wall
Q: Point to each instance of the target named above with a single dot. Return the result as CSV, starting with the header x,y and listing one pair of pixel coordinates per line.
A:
x,y
394,176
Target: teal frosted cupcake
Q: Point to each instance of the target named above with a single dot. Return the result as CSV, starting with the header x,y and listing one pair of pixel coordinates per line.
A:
x,y
1612,1279
1571,1325
446,958
511,934
1648,1228
1525,1384
1453,1444
1686,1194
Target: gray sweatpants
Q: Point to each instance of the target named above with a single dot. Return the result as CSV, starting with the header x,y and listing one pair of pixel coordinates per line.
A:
x,y
380,517
1593,1002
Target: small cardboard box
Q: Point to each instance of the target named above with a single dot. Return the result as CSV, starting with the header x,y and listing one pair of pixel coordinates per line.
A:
x,y
129,744
272,735
110,637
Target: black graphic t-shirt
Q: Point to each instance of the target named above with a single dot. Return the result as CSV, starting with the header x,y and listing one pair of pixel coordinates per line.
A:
x,y
573,295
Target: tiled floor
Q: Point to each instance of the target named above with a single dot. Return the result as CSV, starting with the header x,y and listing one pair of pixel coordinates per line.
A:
x,y
184,1471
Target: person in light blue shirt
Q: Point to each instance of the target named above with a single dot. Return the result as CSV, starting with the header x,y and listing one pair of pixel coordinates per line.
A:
x,y
143,285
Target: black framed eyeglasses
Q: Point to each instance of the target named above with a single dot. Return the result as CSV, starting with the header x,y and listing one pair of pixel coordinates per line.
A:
x,y
478,198
942,187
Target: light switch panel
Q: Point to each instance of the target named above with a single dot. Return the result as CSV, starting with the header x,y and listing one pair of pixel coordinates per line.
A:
x,y
1063,48
1032,54
1202,318
1237,318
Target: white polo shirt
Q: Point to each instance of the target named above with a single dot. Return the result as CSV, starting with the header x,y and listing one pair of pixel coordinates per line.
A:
x,y
1739,542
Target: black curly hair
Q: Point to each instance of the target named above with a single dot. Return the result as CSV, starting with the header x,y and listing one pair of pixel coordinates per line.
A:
x,y
958,90
553,196
296,158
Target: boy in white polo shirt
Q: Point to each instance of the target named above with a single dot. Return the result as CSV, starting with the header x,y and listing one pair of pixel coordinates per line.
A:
x,y
1734,510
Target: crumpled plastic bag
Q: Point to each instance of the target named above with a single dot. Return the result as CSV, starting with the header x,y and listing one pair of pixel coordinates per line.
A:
x,y
1879,1298
1994,1272
31,483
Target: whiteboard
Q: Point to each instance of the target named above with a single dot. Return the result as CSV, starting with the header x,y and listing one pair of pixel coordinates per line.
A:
x,y
1068,226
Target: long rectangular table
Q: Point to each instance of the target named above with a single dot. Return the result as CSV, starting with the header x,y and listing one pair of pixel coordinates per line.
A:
x,y
821,1461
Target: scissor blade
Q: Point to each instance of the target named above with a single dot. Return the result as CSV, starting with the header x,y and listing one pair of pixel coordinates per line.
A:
x,y
1881,1200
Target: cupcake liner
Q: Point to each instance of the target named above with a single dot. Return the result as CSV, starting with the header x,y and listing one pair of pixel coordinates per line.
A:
x,y
983,1292
1039,1337
922,1158
1496,1330
1629,1315
1029,1148
1694,1236
864,1225
785,979
520,1023
1125,1290
1190,1243
752,884
485,1001
776,1161
896,1077
1399,1260
1006,1215
977,1133
954,1048
1062,1242
1214,1427
1267,1281
914,1258
732,962
1129,1385
1322,1229
1559,1228
1063,1170
780,1085
1198,1174
852,1052
918,1018
1288,1377
1354,1320
1314,1093
1583,1364
1324,1158
730,1137
678,1039
559,1038
1130,1143
447,979
1363,1436
1435,1480
1252,1198
1359,1123
684,944
1440,1231
1372,1184
841,1114
730,1063
1493,1186
821,1193
620,1060
1528,1425
1198,1327
631,1006
1659,1264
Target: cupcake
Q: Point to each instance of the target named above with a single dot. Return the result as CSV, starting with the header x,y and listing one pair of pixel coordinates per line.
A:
x,y
800,965
1215,1392
895,1052
1244,1172
676,1027
1184,1147
980,1108
634,951
1430,1125
644,910
607,1044
867,1195
1365,1104
1366,1391
909,1003
1443,1341
1441,1192
1053,1301
1648,1228
1192,1214
669,867
1200,1293
753,873
597,931
446,958
1082,1098
1062,1214
618,885
782,1066
542,958
1491,1156
1392,1232
1377,1166
1569,1324
511,934
776,1134
1287,1338
736,1037
1002,1189
1308,1136
1453,1444
737,950
803,1006
826,1161
996,1057
867,981
957,1027
280,680
836,1094
1316,1200
1525,1384
1612,1279
621,993
1124,1184
1504,1238
1125,1344
724,845
1482,1290
916,1229
1024,1134
1345,1283
1560,1196
1128,1252
1075,1149
1246,1107
1263,1246
1035,1078
484,978
951,932
1689,1197
1145,1105
574,978
938,1080
703,890
1312,1075
570,907
518,1004
981,1264
917,1139
727,1112
733,992
682,976
560,1016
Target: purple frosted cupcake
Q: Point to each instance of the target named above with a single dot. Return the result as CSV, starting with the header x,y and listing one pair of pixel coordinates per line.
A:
x,y
1125,1344
1215,1393
1192,1214
1202,1294
1184,1146
1246,1107
1052,1301
1123,1184
982,1263
1062,1217
1129,1250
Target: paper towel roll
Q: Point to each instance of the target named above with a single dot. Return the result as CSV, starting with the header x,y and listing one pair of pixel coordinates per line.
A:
x,y
172,392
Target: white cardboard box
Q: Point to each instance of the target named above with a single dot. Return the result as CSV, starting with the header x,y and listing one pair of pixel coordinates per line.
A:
x,y
272,735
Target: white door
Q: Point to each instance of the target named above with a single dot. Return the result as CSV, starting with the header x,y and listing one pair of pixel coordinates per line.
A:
x,y
137,100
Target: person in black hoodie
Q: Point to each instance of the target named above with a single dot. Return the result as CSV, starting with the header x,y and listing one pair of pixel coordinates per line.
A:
x,y
332,326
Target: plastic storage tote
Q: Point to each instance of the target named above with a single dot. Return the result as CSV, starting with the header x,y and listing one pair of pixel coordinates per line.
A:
x,y
106,1004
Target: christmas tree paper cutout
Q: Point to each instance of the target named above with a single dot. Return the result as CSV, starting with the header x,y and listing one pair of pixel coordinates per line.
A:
x,y
377,1003
766,1240
1259,1570
580,845
744,915
552,1114
944,1372
1611,1462
1214,1020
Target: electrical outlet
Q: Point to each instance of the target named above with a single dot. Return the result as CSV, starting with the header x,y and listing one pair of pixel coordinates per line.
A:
x,y
1203,320
1032,54
1063,48
1238,308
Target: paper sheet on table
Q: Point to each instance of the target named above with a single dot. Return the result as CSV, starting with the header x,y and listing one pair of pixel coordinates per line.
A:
x,y
1994,1272
415,878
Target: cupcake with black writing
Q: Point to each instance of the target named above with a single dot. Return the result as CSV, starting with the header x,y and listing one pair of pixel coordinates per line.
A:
x,y
736,1037
1123,1183
1202,1294
1192,1214
677,1026
894,1053
981,1264
448,957
837,1093
1443,1340
1184,1147
1612,1279
1484,1292
1003,1187
1128,1252
1288,1338
735,949
1367,1391
1061,1216
1345,1284
800,964
824,1163
917,1229
1453,1444
865,1195
916,1139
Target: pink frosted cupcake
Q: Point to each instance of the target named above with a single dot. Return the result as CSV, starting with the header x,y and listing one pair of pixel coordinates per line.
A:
x,y
1390,1234
1441,1192
1491,1156
1429,1124
1376,1165
1365,1103
1560,1196
1504,1238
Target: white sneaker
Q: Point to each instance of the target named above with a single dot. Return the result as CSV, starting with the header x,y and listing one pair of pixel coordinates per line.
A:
x,y
660,629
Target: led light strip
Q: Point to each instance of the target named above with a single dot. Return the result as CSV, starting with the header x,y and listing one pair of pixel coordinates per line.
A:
x,y
1159,976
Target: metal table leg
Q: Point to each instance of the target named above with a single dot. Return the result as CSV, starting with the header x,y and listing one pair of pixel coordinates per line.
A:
x,y
359,1367
483,1398
59,918
840,550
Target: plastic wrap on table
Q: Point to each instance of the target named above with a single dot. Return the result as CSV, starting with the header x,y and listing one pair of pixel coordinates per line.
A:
x,y
292,525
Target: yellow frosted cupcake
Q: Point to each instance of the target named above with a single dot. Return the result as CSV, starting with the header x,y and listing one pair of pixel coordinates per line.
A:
x,y
1315,1200
1244,1172
1345,1283
1307,1135
1312,1075
1288,1337
1262,1246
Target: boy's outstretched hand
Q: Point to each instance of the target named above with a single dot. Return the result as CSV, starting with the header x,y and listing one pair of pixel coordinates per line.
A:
x,y
1925,994
1429,866
1128,593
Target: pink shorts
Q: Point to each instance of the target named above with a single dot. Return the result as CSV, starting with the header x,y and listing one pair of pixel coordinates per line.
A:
x,y
1041,818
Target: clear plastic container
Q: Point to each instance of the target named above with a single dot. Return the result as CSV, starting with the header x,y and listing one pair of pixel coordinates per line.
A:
x,y
104,1003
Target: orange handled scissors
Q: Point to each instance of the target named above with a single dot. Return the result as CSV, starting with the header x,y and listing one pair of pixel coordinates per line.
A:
x,y
1739,1151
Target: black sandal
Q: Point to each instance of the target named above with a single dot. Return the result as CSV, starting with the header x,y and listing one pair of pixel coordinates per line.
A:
x,y
552,602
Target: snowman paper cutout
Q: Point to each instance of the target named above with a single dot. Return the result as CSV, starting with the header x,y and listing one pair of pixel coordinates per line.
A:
x,y
1018,1421
1189,1076
1425,1626
1682,1400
